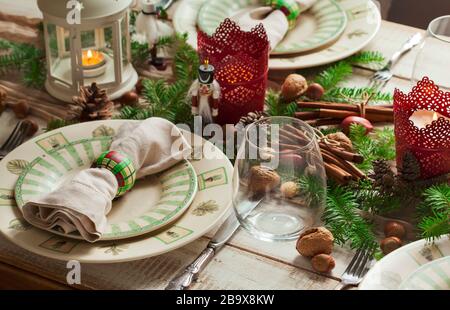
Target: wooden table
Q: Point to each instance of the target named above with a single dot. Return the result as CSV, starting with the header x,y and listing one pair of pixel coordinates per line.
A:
x,y
244,263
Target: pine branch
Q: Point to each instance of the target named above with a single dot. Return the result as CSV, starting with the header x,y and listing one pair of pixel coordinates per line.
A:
x,y
333,75
343,94
58,123
367,57
435,211
314,189
278,108
379,145
343,220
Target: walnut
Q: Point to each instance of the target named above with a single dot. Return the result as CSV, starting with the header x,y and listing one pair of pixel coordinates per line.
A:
x,y
344,141
315,241
263,179
323,263
289,189
21,108
293,87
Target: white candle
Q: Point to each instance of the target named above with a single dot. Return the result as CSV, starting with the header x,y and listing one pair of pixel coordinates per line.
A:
x,y
422,118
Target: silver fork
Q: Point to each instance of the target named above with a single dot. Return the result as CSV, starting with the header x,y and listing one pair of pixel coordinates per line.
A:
x,y
357,269
380,78
15,138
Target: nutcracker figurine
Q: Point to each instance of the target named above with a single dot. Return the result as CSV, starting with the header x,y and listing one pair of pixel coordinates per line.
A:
x,y
205,94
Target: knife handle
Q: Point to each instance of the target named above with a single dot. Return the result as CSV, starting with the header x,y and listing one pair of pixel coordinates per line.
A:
x,y
183,280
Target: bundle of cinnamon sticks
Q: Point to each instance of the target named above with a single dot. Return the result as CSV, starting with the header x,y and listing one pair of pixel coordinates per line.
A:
x,y
339,162
330,113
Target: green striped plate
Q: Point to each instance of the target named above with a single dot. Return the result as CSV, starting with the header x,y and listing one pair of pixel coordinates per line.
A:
x,y
432,276
322,24
153,202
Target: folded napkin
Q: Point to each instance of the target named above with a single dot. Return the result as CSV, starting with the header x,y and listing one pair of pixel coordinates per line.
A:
x,y
82,203
275,22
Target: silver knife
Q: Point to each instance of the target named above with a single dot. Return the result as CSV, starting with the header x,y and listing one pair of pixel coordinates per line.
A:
x,y
184,279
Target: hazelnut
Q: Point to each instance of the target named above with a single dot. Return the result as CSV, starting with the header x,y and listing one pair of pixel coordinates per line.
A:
x,y
315,241
21,108
323,263
293,87
289,189
33,127
343,140
139,86
390,244
394,229
315,91
263,179
129,98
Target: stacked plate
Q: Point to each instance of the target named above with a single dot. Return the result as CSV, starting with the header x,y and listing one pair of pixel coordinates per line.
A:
x,y
160,214
327,32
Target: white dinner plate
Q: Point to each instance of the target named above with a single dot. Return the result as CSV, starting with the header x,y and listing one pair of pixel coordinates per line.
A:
x,y
211,202
364,21
395,268
322,24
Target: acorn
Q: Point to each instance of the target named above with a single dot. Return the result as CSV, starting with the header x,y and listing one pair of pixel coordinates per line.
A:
x,y
394,229
323,263
130,98
390,244
21,108
293,87
33,127
315,91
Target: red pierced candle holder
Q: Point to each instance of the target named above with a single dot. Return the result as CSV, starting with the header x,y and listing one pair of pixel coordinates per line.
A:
x,y
430,145
241,62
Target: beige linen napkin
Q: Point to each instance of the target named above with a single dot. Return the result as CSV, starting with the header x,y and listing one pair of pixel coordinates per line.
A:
x,y
82,203
274,21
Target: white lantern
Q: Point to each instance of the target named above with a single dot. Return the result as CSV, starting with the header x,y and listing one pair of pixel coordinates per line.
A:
x,y
87,41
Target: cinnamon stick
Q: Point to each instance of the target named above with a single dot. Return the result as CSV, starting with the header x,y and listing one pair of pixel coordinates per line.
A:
x,y
344,107
349,167
337,173
324,122
355,158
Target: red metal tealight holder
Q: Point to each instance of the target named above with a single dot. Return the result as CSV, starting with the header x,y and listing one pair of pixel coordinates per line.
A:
x,y
241,62
430,144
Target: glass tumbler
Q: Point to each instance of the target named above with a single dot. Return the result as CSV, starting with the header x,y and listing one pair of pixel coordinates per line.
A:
x,y
433,54
279,181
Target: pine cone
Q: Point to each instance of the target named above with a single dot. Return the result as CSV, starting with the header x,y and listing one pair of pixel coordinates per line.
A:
x,y
410,168
252,117
383,176
92,104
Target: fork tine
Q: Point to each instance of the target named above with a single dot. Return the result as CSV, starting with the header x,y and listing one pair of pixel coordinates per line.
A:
x,y
18,139
362,266
11,136
350,266
359,258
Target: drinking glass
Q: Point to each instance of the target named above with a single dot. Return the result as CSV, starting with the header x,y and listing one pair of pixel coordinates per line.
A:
x,y
433,54
279,180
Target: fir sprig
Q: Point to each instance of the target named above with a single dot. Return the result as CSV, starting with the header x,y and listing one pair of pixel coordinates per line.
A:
x,y
435,211
27,59
379,145
277,108
342,218
343,94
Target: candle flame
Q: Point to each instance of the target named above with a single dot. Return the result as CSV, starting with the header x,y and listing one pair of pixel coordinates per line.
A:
x,y
435,116
206,62
89,54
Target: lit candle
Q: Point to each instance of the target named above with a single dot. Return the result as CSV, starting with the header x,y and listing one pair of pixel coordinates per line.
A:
x,y
422,118
93,63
